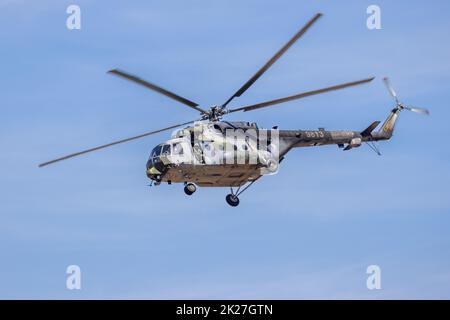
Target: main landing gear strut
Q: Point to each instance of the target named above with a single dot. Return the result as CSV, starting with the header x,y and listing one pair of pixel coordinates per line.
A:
x,y
233,198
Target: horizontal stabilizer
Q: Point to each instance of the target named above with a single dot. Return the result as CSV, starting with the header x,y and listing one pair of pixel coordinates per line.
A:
x,y
348,147
370,128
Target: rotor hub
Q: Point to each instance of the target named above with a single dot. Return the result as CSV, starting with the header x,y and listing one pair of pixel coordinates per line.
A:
x,y
215,113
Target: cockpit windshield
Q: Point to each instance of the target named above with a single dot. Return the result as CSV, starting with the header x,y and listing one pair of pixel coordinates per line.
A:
x,y
156,151
160,150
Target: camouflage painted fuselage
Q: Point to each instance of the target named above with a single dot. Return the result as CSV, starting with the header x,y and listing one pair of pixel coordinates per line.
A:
x,y
201,170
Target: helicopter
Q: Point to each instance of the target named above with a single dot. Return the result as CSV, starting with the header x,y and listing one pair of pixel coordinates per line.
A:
x,y
212,152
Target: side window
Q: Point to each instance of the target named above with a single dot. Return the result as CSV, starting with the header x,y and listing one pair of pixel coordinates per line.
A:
x,y
177,149
217,128
166,150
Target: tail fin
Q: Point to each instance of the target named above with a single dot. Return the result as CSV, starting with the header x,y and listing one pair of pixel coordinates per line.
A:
x,y
389,124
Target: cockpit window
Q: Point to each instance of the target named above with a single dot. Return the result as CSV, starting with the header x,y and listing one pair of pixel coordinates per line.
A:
x,y
166,150
156,152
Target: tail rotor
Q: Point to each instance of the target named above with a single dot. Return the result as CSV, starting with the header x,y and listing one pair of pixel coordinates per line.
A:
x,y
400,105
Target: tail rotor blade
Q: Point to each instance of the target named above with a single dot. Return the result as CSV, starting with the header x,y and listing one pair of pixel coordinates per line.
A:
x,y
391,90
417,110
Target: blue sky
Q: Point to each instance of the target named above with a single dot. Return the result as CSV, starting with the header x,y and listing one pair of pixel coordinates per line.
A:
x,y
308,232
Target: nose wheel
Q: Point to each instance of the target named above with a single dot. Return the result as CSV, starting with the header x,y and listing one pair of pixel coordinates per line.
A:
x,y
190,188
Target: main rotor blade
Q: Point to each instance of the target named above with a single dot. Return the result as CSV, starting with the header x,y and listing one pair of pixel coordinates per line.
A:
x,y
112,144
391,90
417,110
156,88
273,59
301,95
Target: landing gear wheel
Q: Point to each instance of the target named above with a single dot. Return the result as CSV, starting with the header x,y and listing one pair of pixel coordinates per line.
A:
x,y
232,200
190,188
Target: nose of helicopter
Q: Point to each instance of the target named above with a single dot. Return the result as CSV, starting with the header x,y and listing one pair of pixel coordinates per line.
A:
x,y
155,168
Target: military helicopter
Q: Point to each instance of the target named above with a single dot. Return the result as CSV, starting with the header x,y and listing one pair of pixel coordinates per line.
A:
x,y
212,152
